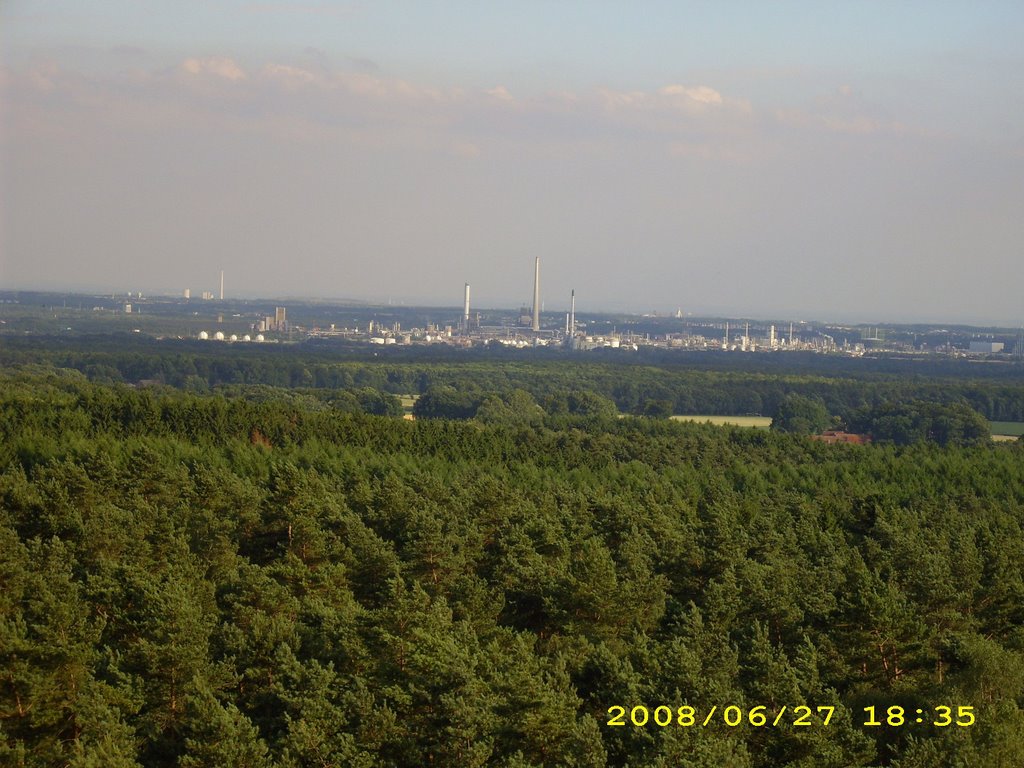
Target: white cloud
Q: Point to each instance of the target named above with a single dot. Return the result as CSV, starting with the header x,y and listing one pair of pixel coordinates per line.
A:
x,y
391,89
500,92
312,100
289,74
217,65
666,103
857,124
702,94
619,99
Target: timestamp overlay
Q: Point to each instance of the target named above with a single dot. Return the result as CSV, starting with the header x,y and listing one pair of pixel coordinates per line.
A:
x,y
800,715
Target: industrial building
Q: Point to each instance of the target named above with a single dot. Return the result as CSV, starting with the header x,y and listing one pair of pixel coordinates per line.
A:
x,y
277,322
536,295
985,347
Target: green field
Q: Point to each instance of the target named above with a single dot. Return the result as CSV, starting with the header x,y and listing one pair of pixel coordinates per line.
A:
x,y
408,401
1000,429
1009,428
757,422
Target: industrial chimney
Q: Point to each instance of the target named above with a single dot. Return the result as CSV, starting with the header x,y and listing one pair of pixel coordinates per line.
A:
x,y
536,295
465,310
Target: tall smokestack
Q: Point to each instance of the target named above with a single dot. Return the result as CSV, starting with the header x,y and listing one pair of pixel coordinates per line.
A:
x,y
536,294
222,285
465,310
572,314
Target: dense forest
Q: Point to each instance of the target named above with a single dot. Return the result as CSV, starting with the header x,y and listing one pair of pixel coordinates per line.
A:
x,y
682,383
252,576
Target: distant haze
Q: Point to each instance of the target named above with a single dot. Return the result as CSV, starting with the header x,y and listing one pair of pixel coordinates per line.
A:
x,y
860,160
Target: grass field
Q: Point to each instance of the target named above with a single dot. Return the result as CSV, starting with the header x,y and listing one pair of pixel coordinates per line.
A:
x,y
1001,430
756,422
1010,428
408,401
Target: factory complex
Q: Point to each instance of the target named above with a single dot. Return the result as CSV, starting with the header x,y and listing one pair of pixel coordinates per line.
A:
x,y
532,327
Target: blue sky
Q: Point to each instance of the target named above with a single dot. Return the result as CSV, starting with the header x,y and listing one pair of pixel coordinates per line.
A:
x,y
615,43
839,160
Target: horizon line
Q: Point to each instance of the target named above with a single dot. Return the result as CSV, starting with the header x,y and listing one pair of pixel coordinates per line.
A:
x,y
426,304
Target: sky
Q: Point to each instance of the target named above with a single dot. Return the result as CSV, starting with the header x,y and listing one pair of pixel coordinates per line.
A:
x,y
805,160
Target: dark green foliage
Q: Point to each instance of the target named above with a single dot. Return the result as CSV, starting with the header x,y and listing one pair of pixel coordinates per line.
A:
x,y
801,416
516,408
911,422
695,383
447,403
258,577
577,402
658,409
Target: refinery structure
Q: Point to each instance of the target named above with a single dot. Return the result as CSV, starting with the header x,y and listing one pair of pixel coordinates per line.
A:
x,y
531,326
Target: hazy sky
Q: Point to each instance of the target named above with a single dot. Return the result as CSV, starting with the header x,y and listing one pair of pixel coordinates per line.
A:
x,y
855,160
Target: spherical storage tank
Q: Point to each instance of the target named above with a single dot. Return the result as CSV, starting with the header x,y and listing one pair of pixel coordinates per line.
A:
x,y
219,336
204,335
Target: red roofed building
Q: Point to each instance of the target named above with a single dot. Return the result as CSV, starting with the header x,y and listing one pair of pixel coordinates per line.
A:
x,y
832,436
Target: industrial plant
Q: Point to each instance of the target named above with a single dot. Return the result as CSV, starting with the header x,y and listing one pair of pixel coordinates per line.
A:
x,y
530,326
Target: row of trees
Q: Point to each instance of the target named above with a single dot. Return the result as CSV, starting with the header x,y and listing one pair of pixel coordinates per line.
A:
x,y
353,590
898,423
683,384
515,406
905,423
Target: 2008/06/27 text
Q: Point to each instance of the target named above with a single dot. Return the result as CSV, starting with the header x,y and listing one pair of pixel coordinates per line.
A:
x,y
801,715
